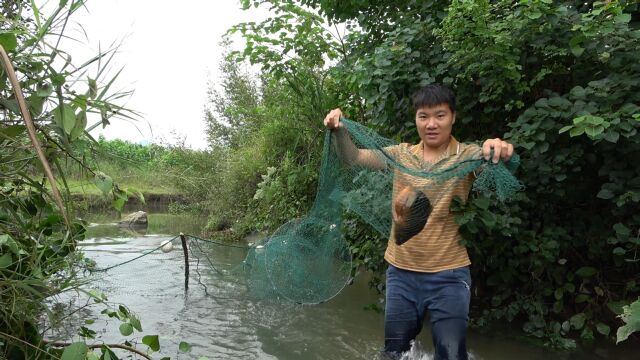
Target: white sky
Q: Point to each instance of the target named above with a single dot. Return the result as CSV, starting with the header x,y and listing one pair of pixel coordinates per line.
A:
x,y
169,52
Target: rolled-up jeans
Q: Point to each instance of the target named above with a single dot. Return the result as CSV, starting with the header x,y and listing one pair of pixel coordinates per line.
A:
x,y
444,294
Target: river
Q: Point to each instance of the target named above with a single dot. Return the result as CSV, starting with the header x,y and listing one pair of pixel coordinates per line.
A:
x,y
220,321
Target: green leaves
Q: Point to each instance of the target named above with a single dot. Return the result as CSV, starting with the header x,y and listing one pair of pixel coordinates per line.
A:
x,y
603,329
294,32
75,351
592,125
80,125
119,199
11,104
126,329
152,342
44,90
5,260
605,194
622,18
8,41
577,321
621,230
87,333
184,347
65,118
12,131
93,88
135,322
586,271
631,317
103,182
575,43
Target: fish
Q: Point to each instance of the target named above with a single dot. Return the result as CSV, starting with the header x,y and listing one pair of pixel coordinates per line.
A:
x,y
411,219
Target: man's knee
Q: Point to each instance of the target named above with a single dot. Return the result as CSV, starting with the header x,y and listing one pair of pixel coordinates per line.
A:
x,y
398,335
449,339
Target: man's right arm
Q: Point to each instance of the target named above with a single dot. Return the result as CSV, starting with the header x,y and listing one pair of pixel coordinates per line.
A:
x,y
346,149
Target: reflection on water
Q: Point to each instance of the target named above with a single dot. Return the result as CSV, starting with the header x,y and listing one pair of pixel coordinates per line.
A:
x,y
104,225
221,321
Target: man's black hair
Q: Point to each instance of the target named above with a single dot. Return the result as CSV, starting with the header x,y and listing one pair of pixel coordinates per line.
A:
x,y
432,95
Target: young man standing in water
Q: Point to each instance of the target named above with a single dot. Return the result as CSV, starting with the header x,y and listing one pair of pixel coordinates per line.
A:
x,y
430,271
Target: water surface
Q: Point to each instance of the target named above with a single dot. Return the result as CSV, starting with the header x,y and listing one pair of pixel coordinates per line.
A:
x,y
218,318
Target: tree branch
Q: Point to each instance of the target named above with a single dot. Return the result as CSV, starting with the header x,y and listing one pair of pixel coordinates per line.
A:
x,y
95,346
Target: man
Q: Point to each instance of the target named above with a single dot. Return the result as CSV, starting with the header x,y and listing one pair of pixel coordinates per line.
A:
x,y
428,269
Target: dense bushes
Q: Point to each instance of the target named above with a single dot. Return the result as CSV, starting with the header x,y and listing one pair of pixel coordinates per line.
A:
x,y
268,138
560,79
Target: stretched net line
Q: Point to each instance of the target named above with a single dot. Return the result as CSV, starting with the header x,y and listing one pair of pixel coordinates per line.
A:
x,y
386,184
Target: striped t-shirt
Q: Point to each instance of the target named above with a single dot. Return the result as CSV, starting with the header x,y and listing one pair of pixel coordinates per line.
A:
x,y
436,247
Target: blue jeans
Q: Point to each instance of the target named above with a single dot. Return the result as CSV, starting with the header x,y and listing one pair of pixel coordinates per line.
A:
x,y
445,294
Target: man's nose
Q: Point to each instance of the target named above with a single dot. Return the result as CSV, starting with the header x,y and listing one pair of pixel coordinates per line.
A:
x,y
431,123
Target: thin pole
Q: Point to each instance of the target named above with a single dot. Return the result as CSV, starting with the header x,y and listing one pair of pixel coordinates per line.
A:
x,y
186,261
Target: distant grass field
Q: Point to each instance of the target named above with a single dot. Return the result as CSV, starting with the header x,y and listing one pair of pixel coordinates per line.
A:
x,y
144,179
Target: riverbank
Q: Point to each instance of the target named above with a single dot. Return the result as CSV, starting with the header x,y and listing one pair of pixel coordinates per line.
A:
x,y
86,196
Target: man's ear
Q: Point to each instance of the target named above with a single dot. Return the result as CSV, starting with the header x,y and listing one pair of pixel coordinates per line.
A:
x,y
454,119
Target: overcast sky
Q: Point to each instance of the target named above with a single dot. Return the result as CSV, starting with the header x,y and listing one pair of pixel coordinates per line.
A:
x,y
170,49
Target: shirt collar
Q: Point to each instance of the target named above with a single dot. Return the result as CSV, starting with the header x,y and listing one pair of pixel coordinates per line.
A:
x,y
452,149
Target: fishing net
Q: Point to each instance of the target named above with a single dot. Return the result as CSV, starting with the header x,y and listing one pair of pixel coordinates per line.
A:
x,y
387,185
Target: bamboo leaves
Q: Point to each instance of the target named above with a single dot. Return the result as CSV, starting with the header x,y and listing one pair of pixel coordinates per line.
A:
x,y
65,118
8,41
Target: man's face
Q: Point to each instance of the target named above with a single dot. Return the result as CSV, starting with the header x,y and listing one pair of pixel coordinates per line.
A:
x,y
434,124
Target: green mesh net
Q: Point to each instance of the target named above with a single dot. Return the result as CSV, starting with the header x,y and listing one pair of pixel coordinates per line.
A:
x,y
388,186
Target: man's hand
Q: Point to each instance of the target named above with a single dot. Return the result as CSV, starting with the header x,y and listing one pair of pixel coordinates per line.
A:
x,y
332,120
502,150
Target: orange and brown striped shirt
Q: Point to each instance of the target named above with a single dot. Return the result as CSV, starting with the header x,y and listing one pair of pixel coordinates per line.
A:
x,y
436,247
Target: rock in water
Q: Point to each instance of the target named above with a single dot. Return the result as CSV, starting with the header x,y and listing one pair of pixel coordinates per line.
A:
x,y
136,219
167,246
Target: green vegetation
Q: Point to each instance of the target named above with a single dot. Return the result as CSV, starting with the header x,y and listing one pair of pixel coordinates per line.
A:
x,y
266,135
38,232
558,78
133,165
168,173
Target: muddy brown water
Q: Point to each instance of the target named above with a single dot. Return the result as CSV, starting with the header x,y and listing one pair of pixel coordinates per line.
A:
x,y
221,322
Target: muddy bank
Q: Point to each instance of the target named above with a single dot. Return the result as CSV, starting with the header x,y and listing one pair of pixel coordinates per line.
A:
x,y
154,202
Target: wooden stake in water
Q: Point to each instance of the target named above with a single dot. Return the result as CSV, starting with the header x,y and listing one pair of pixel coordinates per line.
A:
x,y
186,261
